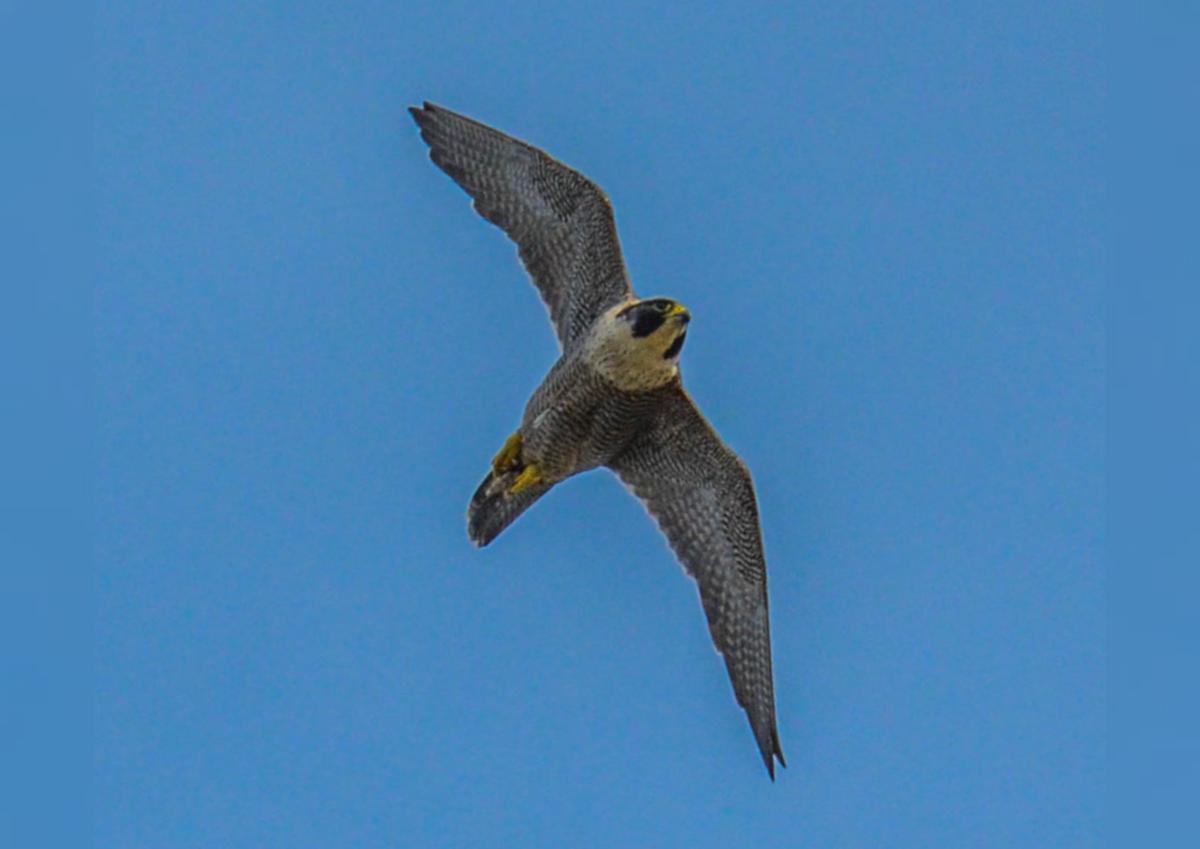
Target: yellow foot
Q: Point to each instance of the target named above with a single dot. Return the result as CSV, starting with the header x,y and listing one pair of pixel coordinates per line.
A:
x,y
531,475
509,455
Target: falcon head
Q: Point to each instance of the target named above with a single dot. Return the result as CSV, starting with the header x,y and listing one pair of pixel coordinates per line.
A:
x,y
636,344
657,324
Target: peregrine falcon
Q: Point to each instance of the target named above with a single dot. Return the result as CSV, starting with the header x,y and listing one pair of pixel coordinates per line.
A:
x,y
614,397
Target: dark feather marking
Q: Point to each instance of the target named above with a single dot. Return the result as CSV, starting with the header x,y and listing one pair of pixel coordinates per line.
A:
x,y
676,346
646,320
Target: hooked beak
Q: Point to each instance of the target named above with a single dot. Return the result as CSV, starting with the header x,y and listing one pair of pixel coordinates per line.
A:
x,y
680,313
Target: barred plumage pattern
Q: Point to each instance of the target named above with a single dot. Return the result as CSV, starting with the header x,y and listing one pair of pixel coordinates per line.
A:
x,y
575,421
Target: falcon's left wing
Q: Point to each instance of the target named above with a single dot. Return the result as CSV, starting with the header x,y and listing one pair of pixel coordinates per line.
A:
x,y
703,499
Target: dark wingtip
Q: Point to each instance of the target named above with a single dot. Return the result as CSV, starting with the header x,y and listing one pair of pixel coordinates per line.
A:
x,y
424,113
425,109
772,753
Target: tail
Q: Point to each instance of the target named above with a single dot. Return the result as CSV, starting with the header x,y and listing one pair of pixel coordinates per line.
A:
x,y
492,509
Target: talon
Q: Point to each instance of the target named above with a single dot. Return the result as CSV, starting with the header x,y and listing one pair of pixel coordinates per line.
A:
x,y
509,455
531,475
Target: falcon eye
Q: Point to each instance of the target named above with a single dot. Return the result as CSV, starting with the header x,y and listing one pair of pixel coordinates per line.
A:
x,y
663,306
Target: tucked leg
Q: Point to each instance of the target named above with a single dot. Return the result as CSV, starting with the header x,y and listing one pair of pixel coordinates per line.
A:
x,y
531,475
509,456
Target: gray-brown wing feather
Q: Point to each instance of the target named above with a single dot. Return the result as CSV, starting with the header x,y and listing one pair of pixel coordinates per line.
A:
x,y
702,497
561,222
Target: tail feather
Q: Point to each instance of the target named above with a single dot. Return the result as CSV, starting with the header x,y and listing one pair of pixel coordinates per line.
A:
x,y
492,509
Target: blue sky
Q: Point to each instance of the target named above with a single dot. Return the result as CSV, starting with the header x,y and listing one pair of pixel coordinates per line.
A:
x,y
886,222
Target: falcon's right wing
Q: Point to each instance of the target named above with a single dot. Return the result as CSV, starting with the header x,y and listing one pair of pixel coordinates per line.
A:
x,y
562,222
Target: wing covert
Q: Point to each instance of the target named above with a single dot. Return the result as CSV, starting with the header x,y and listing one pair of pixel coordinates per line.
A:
x,y
702,497
561,222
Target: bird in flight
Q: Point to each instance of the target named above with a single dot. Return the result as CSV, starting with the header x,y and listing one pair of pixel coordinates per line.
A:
x,y
614,397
